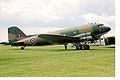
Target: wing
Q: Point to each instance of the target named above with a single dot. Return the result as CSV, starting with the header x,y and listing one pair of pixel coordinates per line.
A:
x,y
58,38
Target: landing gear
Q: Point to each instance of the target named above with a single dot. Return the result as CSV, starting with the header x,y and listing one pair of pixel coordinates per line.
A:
x,y
82,47
86,47
22,48
78,47
65,46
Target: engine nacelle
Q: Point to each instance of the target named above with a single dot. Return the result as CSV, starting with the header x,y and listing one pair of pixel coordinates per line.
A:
x,y
88,38
84,34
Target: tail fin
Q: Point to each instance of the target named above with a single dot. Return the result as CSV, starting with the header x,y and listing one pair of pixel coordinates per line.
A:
x,y
15,34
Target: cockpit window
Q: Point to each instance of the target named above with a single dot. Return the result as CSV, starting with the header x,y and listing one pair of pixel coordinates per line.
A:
x,y
100,25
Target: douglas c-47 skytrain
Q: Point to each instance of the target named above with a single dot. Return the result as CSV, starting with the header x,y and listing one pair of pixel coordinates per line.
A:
x,y
79,36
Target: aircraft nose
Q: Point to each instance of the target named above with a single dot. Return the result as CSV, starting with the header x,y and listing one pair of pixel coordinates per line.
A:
x,y
107,29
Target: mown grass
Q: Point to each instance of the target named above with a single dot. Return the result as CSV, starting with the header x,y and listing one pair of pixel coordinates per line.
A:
x,y
56,62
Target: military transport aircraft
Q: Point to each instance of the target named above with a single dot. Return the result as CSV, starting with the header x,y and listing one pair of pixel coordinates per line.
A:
x,y
79,36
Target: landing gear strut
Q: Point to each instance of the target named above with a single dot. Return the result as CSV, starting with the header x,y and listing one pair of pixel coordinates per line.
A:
x,y
82,47
65,46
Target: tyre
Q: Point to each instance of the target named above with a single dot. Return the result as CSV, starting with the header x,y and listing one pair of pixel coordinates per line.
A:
x,y
86,47
22,48
77,47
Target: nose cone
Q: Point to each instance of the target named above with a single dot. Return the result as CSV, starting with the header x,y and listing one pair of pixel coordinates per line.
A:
x,y
107,29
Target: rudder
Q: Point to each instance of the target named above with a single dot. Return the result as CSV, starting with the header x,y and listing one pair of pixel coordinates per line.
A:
x,y
15,34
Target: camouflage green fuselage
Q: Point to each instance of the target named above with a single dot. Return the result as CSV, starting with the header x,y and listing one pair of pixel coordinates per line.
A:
x,y
72,35
88,31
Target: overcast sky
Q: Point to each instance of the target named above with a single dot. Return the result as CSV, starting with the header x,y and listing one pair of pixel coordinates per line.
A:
x,y
40,16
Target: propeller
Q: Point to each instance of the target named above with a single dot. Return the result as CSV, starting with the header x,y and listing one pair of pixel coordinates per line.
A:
x,y
96,41
104,40
99,40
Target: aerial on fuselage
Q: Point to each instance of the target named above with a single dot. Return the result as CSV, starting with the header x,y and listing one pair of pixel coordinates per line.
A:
x,y
79,36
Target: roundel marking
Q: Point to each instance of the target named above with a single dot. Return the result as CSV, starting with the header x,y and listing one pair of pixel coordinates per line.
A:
x,y
32,41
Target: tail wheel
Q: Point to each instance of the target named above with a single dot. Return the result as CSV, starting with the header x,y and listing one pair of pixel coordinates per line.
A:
x,y
22,48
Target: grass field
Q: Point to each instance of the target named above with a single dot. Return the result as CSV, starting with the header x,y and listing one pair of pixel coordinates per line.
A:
x,y
56,62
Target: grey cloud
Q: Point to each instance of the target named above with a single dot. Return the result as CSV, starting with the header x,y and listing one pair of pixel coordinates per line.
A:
x,y
68,16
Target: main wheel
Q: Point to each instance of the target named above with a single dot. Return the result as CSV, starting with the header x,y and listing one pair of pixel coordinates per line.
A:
x,y
77,47
80,47
86,47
